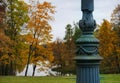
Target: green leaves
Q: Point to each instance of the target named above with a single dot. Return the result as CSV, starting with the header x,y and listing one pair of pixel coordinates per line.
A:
x,y
17,15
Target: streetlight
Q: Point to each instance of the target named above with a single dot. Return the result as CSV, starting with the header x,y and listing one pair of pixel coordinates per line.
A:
x,y
87,58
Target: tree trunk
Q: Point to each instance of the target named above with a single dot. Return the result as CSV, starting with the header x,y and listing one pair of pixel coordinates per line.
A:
x,y
117,64
34,67
28,60
27,65
3,69
11,68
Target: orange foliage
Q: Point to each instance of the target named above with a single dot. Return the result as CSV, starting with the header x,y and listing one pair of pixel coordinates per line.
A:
x,y
109,48
39,34
106,37
64,52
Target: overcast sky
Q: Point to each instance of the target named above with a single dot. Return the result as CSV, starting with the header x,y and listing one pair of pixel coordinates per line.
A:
x,y
69,11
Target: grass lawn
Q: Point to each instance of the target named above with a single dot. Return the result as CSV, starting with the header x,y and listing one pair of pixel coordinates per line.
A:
x,y
110,78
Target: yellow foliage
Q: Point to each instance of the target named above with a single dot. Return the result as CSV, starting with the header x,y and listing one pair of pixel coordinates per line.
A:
x,y
5,59
40,32
109,47
106,37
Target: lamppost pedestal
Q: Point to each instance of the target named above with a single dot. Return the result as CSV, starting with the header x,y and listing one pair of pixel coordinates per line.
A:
x,y
87,59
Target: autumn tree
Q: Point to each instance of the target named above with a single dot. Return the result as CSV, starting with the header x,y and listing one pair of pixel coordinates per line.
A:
x,y
68,57
58,53
2,12
5,42
39,33
15,16
109,43
115,17
108,48
63,58
115,20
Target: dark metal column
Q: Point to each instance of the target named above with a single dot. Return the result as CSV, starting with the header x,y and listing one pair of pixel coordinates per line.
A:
x,y
87,58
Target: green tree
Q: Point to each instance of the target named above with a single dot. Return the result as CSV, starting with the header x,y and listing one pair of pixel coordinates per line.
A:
x,y
72,32
76,32
69,32
16,16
